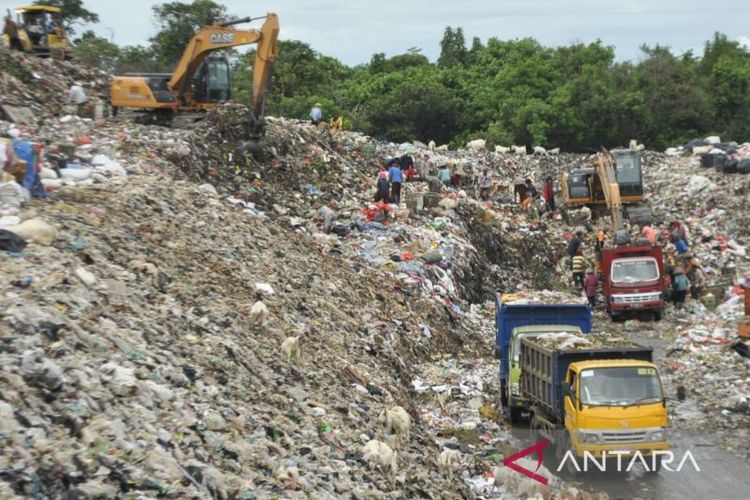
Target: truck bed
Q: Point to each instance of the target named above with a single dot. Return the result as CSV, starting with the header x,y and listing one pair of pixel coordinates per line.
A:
x,y
545,361
511,315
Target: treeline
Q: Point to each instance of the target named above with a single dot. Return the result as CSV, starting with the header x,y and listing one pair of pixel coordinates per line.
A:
x,y
575,97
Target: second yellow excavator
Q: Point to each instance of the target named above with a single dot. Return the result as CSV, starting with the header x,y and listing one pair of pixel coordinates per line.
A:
x,y
202,79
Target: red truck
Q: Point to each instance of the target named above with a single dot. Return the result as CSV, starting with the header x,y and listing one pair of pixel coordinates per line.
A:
x,y
634,281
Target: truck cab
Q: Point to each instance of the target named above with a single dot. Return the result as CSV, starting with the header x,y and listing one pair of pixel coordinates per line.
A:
x,y
615,405
517,404
634,281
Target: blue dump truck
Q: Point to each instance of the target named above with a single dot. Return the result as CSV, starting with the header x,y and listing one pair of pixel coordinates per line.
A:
x,y
515,321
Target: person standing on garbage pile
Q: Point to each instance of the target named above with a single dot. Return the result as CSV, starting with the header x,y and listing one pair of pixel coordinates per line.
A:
x,y
697,279
396,177
574,245
458,176
337,123
410,173
549,196
648,233
316,114
579,267
520,192
680,231
485,184
444,174
11,30
381,193
77,96
680,287
531,193
591,286
681,246
406,161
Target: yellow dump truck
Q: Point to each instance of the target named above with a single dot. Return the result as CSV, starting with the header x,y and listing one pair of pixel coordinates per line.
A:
x,y
595,397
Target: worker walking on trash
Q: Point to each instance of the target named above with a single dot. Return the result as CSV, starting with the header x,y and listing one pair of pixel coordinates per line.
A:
x,y
381,194
573,246
396,177
485,184
444,174
680,287
579,267
316,114
697,279
337,123
531,194
77,96
591,286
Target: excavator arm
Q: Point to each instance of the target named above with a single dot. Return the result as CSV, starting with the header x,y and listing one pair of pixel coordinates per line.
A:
x,y
224,36
605,170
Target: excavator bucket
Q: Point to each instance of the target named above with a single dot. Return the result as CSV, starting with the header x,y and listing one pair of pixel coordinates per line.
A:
x,y
255,134
639,214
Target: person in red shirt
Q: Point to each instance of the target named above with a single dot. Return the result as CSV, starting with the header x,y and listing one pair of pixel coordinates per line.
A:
x,y
549,196
591,286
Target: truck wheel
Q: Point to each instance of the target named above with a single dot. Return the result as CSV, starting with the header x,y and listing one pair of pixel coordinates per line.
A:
x,y
657,314
503,393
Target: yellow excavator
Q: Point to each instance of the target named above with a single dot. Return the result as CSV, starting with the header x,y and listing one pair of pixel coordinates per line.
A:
x,y
615,181
202,78
40,31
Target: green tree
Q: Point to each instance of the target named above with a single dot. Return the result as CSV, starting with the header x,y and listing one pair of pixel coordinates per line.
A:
x,y
73,12
136,59
178,22
452,48
96,52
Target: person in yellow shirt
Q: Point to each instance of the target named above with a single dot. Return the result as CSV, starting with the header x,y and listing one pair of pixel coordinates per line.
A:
x,y
337,123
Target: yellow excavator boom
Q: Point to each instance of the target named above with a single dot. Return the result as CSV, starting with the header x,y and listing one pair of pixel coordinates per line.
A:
x,y
163,95
605,169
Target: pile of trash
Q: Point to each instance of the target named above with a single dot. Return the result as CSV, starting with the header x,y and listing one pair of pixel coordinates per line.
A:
x,y
145,352
724,157
33,89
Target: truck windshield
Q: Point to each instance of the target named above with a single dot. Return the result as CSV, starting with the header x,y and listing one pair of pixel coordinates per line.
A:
x,y
620,386
632,271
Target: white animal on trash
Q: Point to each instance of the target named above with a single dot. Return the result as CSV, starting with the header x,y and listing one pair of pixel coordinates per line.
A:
x,y
447,460
702,150
519,150
431,145
442,148
290,478
292,349
259,313
635,146
477,144
538,150
396,421
502,150
378,453
555,151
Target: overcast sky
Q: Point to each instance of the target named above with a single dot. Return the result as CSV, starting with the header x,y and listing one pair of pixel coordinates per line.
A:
x,y
352,30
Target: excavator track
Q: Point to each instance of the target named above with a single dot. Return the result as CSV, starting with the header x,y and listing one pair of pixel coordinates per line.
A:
x,y
164,119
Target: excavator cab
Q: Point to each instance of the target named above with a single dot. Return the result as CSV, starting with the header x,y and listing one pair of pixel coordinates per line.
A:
x,y
212,83
628,171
